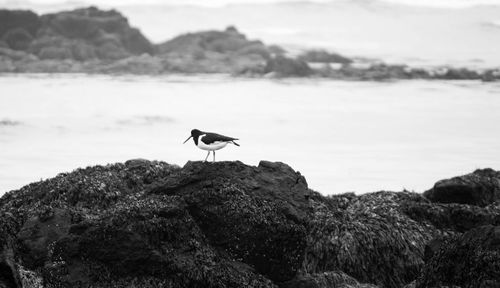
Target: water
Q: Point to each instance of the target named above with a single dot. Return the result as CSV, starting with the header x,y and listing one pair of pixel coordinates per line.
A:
x,y
343,136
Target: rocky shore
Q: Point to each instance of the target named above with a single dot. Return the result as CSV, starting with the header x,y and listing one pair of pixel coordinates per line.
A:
x,y
226,224
93,41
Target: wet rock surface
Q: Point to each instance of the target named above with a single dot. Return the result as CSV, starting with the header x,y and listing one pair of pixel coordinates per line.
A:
x,y
226,224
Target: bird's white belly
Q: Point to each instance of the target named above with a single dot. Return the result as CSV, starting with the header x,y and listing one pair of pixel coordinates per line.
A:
x,y
212,146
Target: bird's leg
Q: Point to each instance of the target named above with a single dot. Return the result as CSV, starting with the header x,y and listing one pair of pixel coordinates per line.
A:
x,y
214,155
207,156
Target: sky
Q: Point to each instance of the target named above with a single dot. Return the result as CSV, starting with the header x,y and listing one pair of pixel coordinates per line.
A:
x,y
433,3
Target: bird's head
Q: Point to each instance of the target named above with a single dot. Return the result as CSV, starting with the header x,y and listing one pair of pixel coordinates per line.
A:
x,y
195,133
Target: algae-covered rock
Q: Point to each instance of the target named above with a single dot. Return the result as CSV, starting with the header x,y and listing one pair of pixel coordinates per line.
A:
x,y
470,260
369,237
481,188
226,224
264,227
152,224
337,279
452,217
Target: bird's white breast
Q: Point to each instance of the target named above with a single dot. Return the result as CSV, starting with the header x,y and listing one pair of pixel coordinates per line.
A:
x,y
212,146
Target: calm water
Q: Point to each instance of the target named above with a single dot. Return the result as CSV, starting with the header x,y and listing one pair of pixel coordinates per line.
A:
x,y
343,136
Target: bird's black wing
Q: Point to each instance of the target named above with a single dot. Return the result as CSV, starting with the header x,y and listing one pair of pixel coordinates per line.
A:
x,y
210,138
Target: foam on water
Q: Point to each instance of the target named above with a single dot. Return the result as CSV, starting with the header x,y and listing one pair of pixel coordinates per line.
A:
x,y
343,136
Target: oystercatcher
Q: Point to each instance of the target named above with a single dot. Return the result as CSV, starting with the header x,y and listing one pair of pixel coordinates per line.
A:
x,y
210,141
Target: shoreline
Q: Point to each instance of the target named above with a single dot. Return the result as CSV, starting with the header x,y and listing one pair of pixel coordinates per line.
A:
x,y
94,41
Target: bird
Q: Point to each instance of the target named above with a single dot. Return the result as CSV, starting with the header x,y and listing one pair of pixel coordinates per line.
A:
x,y
210,141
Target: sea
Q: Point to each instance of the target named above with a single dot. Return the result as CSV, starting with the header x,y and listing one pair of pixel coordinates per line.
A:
x,y
343,136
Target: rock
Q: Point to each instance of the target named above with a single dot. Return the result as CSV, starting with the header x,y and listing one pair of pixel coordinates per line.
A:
x,y
50,66
215,52
490,75
16,55
89,33
6,65
226,224
144,64
322,56
111,51
287,67
481,188
82,51
326,280
460,74
470,260
39,232
18,39
221,224
452,217
59,53
255,213
23,19
223,42
8,227
136,42
369,237
91,23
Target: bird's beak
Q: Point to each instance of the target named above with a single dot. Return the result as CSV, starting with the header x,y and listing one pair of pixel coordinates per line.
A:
x,y
187,139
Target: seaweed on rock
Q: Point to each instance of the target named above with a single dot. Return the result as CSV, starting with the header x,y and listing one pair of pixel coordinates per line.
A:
x,y
226,224
369,237
470,260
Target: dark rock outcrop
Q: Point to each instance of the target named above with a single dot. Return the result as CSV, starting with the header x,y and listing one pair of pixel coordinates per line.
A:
x,y
105,30
481,188
264,228
19,19
18,39
322,56
80,35
226,51
282,66
226,224
452,217
470,260
152,224
369,237
138,65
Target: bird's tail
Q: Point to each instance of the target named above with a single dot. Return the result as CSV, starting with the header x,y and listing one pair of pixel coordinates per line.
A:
x,y
235,143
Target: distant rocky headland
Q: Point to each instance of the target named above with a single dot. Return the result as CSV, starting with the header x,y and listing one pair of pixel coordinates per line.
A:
x,y
226,224
94,41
